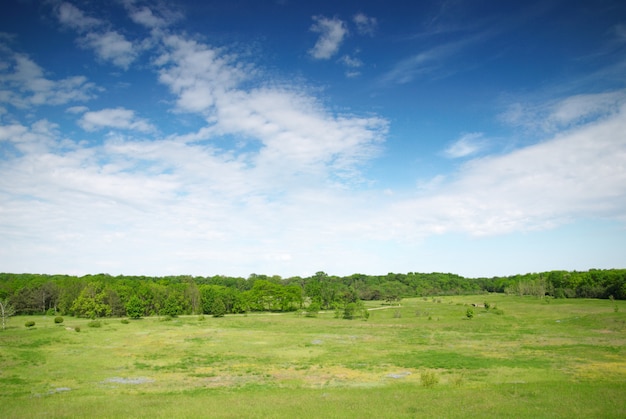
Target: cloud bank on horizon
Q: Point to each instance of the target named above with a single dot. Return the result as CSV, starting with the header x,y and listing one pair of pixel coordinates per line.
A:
x,y
145,138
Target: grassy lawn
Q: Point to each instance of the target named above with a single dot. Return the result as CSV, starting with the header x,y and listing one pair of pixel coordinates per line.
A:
x,y
524,358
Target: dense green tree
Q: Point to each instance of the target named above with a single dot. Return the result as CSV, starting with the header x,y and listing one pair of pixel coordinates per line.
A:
x,y
219,308
135,307
91,303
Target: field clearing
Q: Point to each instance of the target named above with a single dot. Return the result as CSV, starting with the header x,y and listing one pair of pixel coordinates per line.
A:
x,y
525,357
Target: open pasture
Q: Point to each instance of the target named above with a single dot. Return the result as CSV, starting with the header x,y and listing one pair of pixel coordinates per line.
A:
x,y
522,357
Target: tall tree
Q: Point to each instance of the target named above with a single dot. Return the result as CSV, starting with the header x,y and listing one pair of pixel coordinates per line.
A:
x,y
6,311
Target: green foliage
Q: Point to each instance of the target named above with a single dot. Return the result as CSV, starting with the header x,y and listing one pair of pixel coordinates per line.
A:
x,y
58,320
487,306
94,323
173,306
77,328
469,313
135,307
90,303
219,308
29,323
102,295
124,321
313,309
429,379
6,310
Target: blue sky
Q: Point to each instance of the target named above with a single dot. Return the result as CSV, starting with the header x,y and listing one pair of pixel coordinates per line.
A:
x,y
287,137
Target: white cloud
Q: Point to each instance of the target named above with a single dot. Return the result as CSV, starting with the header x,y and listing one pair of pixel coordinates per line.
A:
x,y
118,118
465,146
154,17
365,25
577,174
72,17
111,46
349,61
296,133
23,84
77,109
563,113
332,33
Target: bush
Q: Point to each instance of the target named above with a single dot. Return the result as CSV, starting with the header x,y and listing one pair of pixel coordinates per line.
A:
x,y
313,309
77,328
29,323
429,379
94,323
58,320
125,321
469,313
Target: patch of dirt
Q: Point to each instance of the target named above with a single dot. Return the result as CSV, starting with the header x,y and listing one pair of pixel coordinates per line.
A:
x,y
136,380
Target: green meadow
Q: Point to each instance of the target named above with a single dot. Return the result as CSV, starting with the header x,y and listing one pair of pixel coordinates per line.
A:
x,y
521,357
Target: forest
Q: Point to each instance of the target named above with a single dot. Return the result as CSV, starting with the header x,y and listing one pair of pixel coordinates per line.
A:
x,y
103,295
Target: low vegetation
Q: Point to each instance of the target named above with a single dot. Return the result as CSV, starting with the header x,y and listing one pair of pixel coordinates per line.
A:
x,y
562,358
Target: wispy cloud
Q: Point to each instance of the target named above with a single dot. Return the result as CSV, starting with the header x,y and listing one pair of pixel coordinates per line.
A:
x,y
365,25
298,135
332,33
563,113
72,17
23,84
467,145
156,16
118,118
109,45
576,174
430,62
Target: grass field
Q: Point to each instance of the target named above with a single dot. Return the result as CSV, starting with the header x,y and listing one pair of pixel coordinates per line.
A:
x,y
526,357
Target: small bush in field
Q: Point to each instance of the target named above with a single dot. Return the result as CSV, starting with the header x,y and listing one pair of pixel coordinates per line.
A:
x,y
94,323
29,323
77,328
124,321
429,379
58,320
469,313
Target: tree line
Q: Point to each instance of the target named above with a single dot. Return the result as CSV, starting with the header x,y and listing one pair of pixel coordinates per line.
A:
x,y
103,295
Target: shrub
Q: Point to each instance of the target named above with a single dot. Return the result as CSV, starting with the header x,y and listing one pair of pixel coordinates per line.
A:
x,y
58,320
29,323
219,308
77,328
125,321
487,305
313,309
94,323
429,379
469,313
201,318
